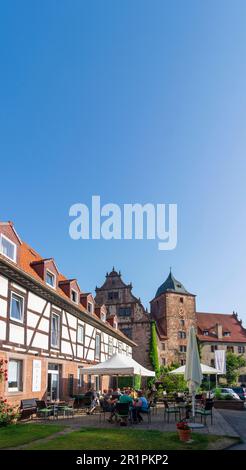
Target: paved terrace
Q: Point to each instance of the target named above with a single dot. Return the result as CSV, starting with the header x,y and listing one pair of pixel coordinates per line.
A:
x,y
219,427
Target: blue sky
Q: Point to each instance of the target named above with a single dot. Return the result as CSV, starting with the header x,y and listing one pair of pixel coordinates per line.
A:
x,y
140,101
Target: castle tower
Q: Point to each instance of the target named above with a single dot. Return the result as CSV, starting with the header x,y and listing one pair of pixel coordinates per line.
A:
x,y
133,319
174,310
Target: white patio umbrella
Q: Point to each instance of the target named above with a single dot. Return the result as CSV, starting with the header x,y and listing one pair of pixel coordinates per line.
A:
x,y
206,370
193,371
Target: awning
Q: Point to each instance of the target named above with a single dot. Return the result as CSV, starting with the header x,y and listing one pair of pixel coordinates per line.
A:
x,y
119,364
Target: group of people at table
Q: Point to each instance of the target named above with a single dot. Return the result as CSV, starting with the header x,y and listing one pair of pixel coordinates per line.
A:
x,y
138,403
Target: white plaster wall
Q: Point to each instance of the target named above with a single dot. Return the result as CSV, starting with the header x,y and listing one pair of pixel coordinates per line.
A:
x,y
3,308
2,330
44,325
3,286
40,341
16,334
36,303
72,321
32,319
16,286
66,347
65,334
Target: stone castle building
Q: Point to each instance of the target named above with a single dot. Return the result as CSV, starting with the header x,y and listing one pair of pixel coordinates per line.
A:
x,y
127,310
173,309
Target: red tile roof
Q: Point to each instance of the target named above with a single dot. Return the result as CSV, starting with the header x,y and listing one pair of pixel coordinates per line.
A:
x,y
28,255
229,322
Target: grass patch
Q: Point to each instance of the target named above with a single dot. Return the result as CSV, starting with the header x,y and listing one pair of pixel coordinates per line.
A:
x,y
124,439
20,434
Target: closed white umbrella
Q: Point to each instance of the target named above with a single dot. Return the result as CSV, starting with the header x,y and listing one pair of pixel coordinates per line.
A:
x,y
193,371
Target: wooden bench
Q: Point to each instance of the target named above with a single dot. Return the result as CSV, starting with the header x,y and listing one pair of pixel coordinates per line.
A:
x,y
28,408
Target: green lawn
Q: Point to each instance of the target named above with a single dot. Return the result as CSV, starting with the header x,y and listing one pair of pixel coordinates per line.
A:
x,y
98,438
123,439
17,435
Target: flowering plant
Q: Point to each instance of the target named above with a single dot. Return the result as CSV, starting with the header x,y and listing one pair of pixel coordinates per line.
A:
x,y
8,413
183,425
3,370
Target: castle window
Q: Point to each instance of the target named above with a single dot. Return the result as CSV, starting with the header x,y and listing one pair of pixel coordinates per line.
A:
x,y
182,349
212,362
163,361
241,349
182,322
124,311
181,299
113,295
181,335
163,346
50,279
230,349
205,332
182,362
127,332
227,333
8,248
214,348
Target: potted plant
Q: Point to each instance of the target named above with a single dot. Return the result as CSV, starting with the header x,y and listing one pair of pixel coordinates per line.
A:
x,y
184,431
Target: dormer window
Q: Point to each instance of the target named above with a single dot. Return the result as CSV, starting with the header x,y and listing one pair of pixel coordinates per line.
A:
x,y
90,307
8,248
205,332
50,279
74,296
226,333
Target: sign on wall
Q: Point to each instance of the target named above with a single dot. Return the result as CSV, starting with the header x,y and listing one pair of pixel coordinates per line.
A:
x,y
36,375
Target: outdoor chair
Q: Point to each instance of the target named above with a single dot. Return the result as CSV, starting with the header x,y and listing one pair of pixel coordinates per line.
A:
x,y
43,410
122,413
171,410
28,408
66,410
206,410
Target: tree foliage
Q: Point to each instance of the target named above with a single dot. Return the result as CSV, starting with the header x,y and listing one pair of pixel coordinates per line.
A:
x,y
233,364
154,349
172,382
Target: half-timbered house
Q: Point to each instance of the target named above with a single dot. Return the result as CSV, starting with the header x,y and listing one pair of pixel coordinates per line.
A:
x,y
49,328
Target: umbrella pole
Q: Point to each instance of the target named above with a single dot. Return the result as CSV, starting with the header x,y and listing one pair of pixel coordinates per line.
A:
x,y
193,404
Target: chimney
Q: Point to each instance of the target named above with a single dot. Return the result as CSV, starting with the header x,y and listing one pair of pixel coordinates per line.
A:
x,y
219,331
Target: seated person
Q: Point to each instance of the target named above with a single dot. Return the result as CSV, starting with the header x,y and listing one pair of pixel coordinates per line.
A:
x,y
141,406
126,397
92,394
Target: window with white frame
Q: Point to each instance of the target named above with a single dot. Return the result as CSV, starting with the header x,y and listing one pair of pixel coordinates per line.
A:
x,y
97,346
55,330
8,248
50,279
74,296
16,307
15,375
120,347
81,334
110,346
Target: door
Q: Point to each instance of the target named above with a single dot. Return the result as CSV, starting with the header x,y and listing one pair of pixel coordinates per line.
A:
x,y
53,385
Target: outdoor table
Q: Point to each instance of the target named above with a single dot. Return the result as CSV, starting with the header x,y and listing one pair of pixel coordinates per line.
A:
x,y
195,425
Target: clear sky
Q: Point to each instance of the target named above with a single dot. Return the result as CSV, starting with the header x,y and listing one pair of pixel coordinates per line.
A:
x,y
135,101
